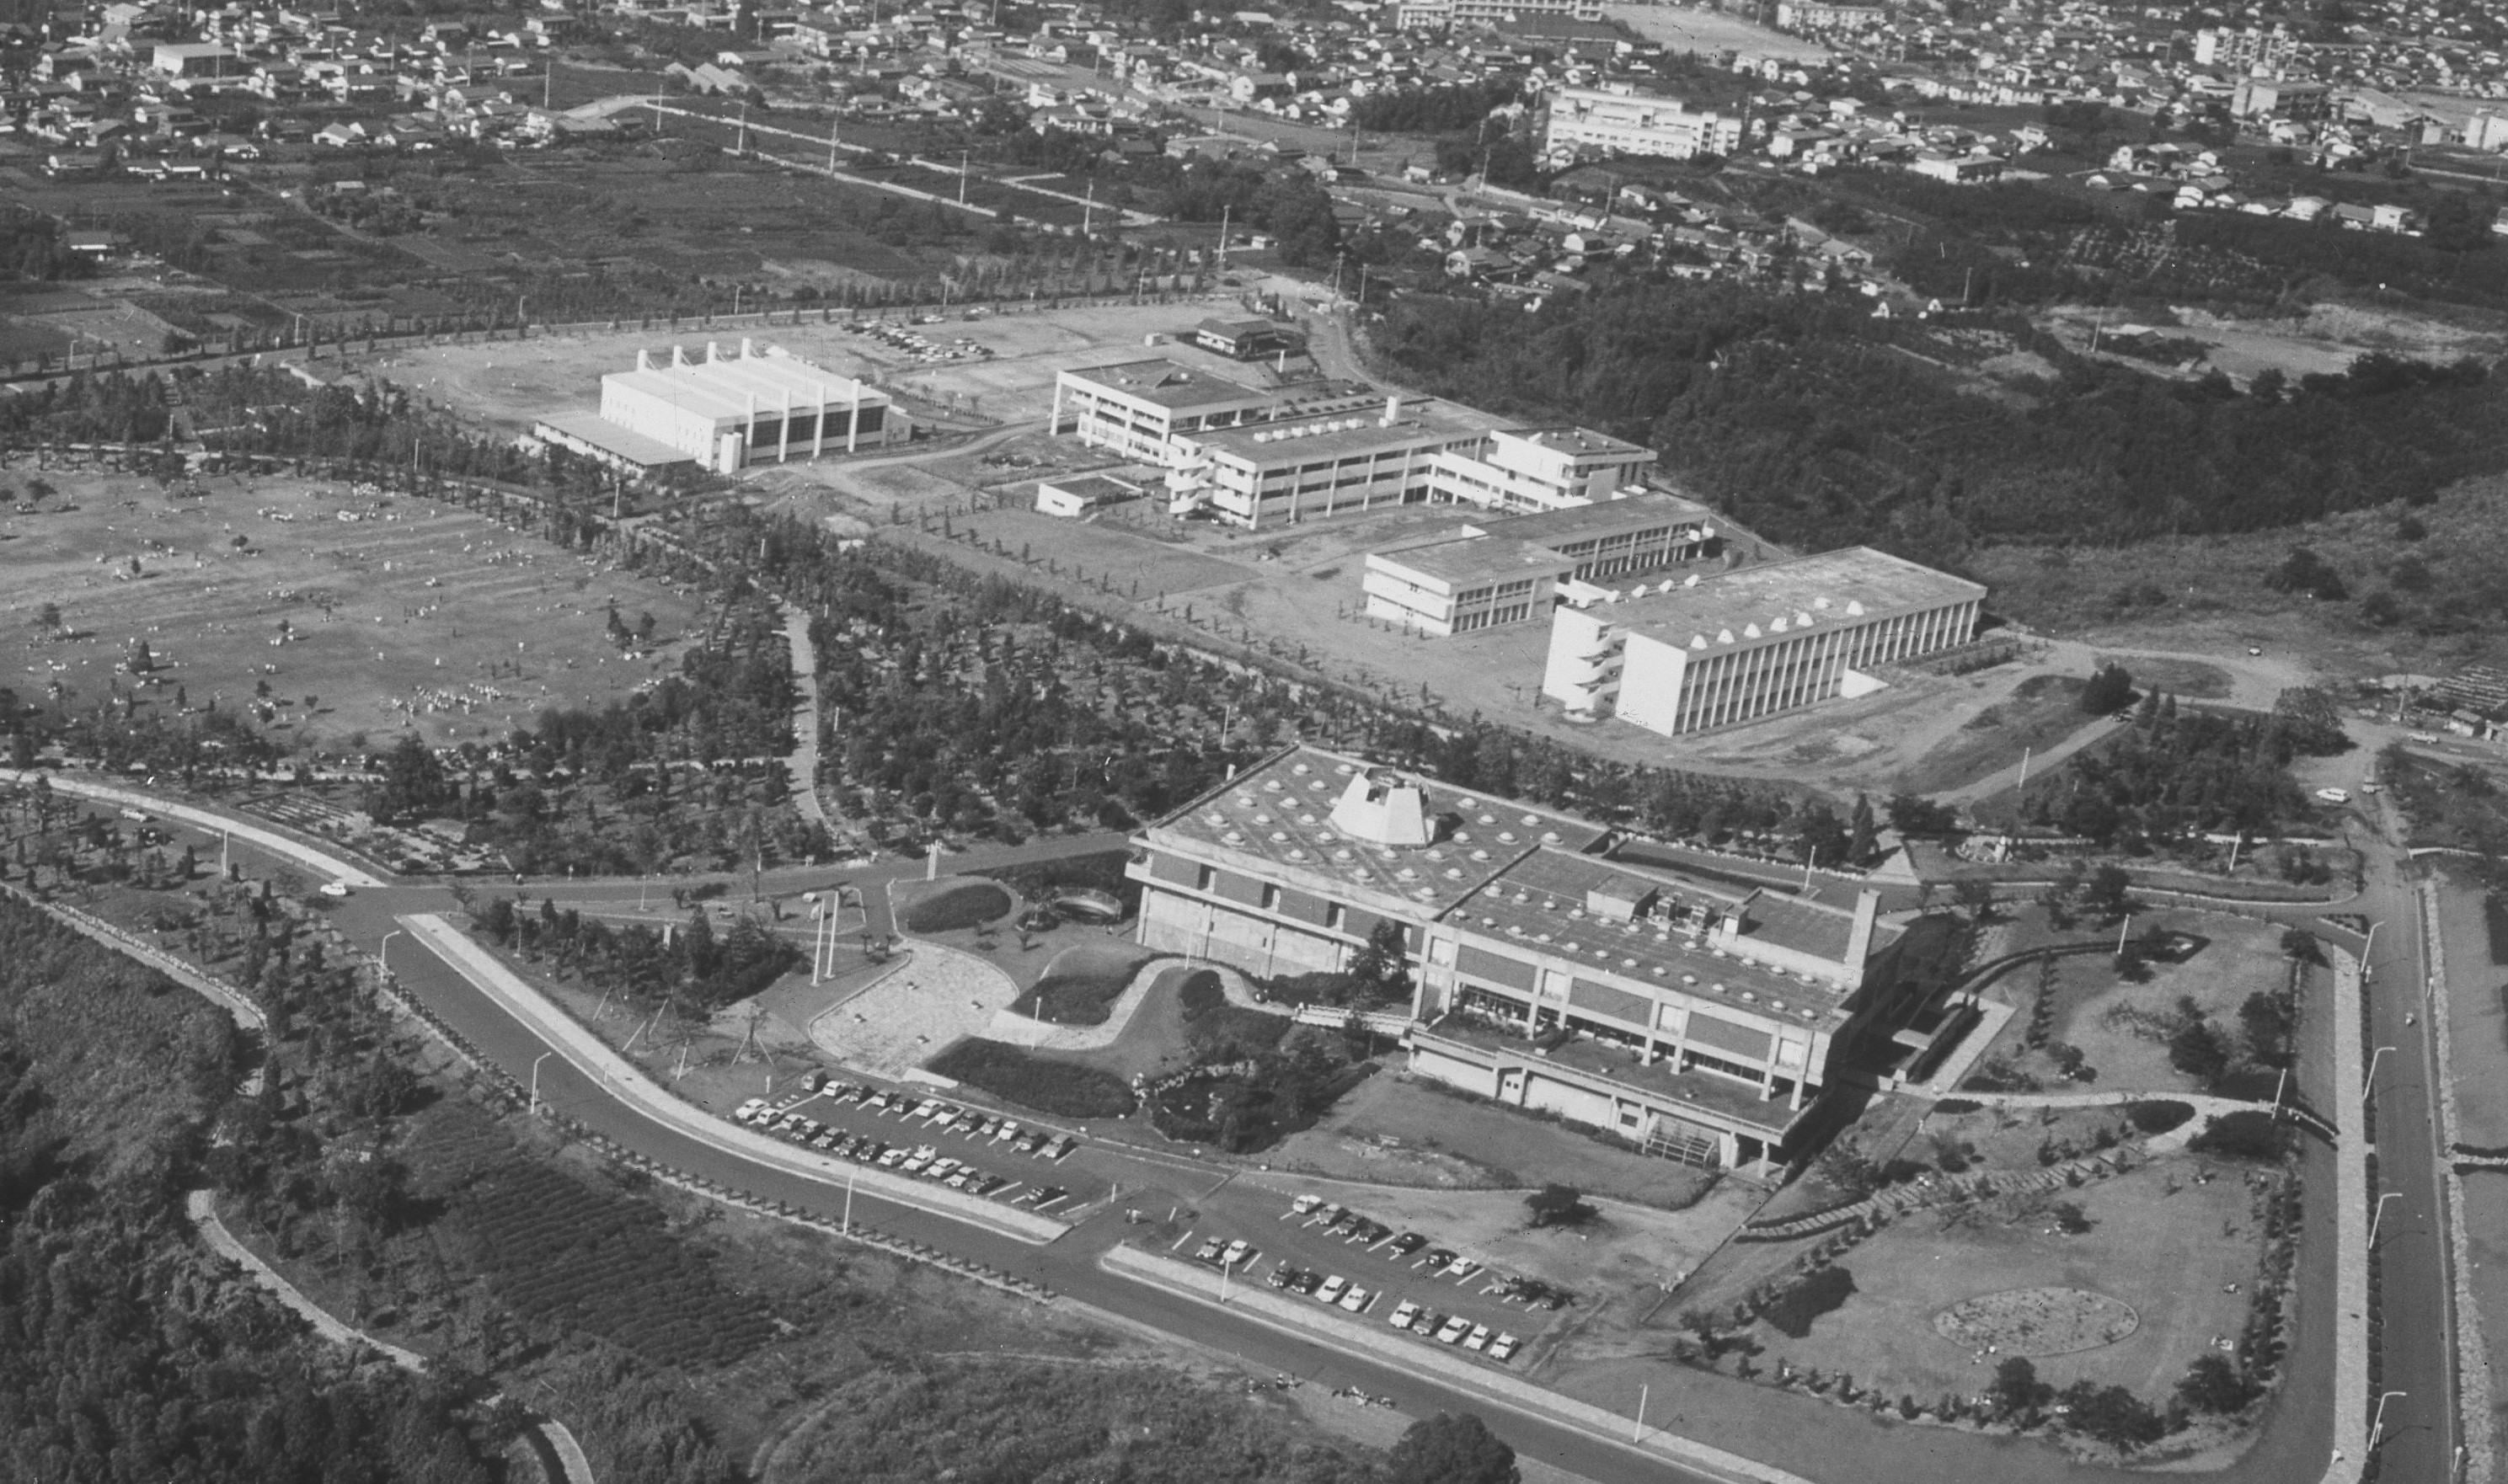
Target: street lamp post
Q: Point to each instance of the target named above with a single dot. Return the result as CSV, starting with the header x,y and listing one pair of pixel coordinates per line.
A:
x,y
382,950
2380,1213
2369,1083
2377,1426
535,1078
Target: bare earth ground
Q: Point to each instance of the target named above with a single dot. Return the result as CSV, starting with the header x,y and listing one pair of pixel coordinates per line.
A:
x,y
1688,28
508,383
2326,340
433,607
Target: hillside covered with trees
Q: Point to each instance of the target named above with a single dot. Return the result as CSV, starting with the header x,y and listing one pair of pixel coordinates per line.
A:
x,y
1811,422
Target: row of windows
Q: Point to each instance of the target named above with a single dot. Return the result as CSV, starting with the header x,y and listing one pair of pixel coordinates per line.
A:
x,y
1206,879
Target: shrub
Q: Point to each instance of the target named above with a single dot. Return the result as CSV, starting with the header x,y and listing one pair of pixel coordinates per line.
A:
x,y
2157,1116
2196,1049
1201,993
1956,1105
1816,1294
1559,1206
2017,1390
2111,1415
2248,1133
2213,1385
967,904
1032,1081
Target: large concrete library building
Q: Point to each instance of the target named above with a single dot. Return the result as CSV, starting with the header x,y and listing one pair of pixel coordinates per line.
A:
x,y
1696,1019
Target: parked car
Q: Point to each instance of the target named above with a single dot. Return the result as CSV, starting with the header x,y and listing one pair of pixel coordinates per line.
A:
x,y
1454,1329
1406,1243
1462,1267
1283,1275
1305,1282
1436,1260
1305,1204
1010,1129
1333,1289
1238,1252
1357,1299
890,1159
1502,1347
750,1109
1403,1314
1209,1250
1478,1339
1060,1148
939,1169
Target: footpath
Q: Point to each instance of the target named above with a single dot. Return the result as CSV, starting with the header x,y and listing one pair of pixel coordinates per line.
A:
x,y
2474,1410
627,1081
2351,1154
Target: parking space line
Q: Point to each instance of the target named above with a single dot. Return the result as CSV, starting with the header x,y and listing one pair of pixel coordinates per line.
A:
x,y
1179,1242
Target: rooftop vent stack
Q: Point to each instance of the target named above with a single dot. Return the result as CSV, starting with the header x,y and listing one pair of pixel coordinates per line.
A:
x,y
1392,410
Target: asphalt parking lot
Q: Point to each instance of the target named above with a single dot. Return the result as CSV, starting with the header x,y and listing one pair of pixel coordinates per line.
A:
x,y
1369,1268
1002,1159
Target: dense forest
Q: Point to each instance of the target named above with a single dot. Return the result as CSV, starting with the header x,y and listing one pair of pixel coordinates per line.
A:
x,y
1805,419
125,1353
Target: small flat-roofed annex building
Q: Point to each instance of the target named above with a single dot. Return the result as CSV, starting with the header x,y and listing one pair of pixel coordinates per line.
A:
x,y
1137,407
1696,1019
1246,338
1709,652
1072,496
730,413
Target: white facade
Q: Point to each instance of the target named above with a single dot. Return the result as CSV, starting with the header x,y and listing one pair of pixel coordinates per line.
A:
x,y
728,413
1728,649
1625,122
1524,470
1138,407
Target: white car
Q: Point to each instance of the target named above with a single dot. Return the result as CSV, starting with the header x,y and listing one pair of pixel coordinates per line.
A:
x,y
2333,796
2424,737
1455,1330
1305,1205
335,888
1357,1299
1237,1252
1403,1314
1010,1129
1504,1347
750,1109
1332,1290
1478,1339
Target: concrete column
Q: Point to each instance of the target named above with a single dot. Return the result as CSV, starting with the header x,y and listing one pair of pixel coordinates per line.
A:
x,y
819,430
784,439
748,427
1054,424
853,419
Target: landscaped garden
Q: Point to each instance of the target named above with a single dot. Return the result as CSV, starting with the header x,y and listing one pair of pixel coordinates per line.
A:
x,y
952,903
1082,983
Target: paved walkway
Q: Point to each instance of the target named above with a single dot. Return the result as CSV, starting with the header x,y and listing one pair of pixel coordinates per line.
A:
x,y
310,855
904,1020
2350,1235
802,766
202,1207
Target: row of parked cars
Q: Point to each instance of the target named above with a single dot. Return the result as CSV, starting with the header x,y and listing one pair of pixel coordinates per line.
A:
x,y
923,1160
1409,1314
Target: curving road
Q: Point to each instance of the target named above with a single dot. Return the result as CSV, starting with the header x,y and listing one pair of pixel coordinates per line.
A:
x,y
1806,1437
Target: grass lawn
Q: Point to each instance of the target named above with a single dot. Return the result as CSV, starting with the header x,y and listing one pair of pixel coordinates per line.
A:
x,y
1083,982
1399,1131
2158,1243
2119,1025
952,903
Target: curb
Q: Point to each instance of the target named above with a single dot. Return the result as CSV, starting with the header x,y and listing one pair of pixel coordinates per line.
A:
x,y
1501,1387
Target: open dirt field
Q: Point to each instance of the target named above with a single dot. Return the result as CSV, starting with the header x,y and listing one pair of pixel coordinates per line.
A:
x,y
509,382
403,614
1688,28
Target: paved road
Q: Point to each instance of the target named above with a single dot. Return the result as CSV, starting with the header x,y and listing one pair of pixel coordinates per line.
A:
x,y
1807,1437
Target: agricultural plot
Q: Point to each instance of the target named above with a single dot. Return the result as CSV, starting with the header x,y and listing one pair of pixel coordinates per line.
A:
x,y
323,613
557,1250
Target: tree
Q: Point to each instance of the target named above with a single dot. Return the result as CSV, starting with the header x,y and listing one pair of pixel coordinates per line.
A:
x,y
2016,1391
2194,1048
1915,814
2110,689
2306,572
2111,1415
2266,1021
2299,945
1556,1205
2105,891
2212,1384
1976,894
1451,1448
1861,836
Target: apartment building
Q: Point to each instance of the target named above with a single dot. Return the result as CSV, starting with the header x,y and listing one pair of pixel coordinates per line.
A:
x,y
1620,121
1711,652
1439,15
1697,1019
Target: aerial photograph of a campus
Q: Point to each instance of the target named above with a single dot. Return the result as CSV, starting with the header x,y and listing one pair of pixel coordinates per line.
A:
x,y
1367,741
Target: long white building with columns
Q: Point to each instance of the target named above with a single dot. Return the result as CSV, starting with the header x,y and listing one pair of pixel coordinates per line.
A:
x,y
727,412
